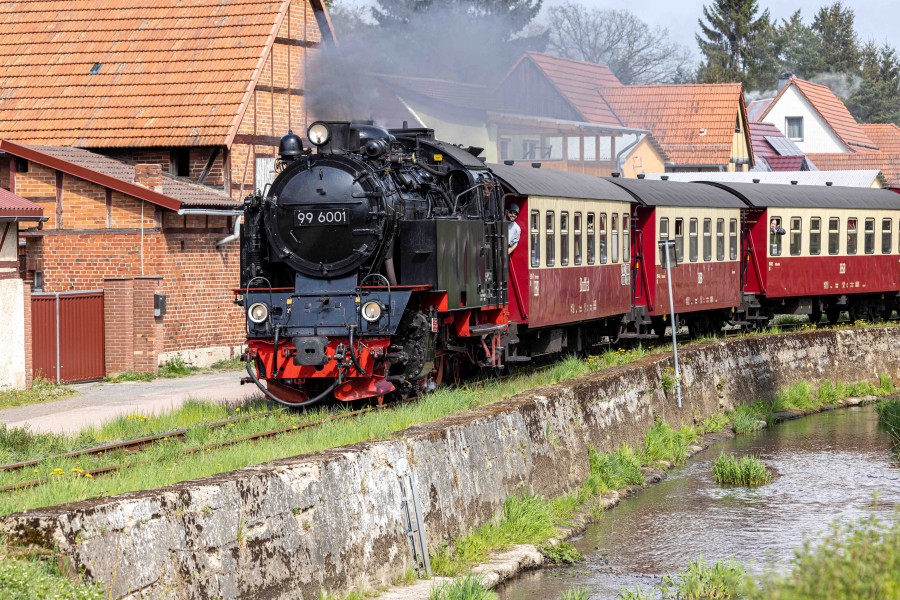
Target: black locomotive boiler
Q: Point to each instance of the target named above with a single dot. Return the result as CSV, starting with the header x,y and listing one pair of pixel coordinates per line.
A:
x,y
376,264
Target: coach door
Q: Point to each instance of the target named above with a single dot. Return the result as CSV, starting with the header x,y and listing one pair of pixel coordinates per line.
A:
x,y
67,336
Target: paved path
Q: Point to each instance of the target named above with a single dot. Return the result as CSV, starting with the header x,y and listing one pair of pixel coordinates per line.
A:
x,y
98,402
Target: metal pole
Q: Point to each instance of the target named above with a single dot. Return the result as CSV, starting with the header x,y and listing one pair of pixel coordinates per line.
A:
x,y
58,379
670,249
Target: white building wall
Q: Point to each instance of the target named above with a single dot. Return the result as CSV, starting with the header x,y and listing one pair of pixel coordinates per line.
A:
x,y
12,313
817,135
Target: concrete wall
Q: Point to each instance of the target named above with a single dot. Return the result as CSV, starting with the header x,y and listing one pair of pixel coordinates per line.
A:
x,y
333,520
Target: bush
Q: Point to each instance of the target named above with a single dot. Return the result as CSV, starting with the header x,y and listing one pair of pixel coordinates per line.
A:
x,y
747,470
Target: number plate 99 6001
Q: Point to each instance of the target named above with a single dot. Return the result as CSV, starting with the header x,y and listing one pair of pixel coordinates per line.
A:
x,y
320,217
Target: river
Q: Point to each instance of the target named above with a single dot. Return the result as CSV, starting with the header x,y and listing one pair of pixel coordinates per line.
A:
x,y
830,466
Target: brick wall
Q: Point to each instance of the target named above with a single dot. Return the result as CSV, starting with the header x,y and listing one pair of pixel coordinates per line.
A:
x,y
118,308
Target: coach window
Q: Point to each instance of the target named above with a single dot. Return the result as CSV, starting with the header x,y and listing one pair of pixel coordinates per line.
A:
x,y
815,236
733,239
851,235
602,238
887,234
707,240
535,238
591,239
679,241
774,238
663,237
720,239
796,236
550,253
614,242
626,238
576,225
869,238
834,235
692,241
564,238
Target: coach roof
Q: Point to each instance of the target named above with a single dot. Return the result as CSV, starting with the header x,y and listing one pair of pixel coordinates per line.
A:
x,y
528,181
674,193
796,196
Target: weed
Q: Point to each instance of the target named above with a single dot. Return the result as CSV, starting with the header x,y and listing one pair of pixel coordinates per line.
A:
x,y
714,423
668,380
175,367
129,376
617,470
661,442
889,418
228,364
562,553
745,419
465,588
717,581
41,390
747,470
407,578
575,594
638,593
885,385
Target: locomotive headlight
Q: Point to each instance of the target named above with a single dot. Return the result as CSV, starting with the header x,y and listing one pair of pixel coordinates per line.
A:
x,y
318,133
371,311
258,312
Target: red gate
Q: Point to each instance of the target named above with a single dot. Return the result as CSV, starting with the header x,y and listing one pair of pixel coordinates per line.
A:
x,y
67,336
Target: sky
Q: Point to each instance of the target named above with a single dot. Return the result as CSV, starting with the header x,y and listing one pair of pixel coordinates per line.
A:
x,y
875,19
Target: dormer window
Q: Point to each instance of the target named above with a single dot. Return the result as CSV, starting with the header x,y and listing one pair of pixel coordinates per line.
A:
x,y
794,127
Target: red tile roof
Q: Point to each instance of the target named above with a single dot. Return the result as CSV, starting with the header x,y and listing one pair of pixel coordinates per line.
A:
x,y
832,110
886,136
762,149
119,176
18,208
693,123
886,162
581,84
127,74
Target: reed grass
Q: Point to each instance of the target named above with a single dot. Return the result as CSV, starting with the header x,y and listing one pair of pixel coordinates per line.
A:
x,y
889,419
464,588
575,594
662,442
746,471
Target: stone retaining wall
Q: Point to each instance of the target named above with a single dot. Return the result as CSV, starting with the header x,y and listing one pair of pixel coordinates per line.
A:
x,y
333,520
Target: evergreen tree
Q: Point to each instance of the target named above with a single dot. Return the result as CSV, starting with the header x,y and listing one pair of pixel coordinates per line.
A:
x,y
878,98
839,44
798,47
737,43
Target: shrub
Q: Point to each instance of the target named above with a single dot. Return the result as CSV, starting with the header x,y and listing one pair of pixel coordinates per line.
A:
x,y
747,470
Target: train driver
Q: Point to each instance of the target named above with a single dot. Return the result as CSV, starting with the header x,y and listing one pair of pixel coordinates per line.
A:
x,y
512,211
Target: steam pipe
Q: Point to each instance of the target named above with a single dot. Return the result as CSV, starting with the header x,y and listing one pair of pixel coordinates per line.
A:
x,y
235,235
272,397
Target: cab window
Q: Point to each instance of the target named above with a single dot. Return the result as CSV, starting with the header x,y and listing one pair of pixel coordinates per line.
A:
x,y
550,231
834,236
564,238
576,226
591,238
692,242
852,235
535,226
815,236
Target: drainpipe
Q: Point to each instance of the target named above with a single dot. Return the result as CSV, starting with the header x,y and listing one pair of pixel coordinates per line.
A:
x,y
218,213
235,235
620,155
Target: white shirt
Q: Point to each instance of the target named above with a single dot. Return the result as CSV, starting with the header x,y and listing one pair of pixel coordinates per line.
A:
x,y
514,233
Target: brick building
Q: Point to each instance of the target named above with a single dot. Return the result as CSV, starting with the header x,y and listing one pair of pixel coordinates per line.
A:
x,y
138,129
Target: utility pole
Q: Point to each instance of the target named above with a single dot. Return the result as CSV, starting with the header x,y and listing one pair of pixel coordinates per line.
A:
x,y
669,251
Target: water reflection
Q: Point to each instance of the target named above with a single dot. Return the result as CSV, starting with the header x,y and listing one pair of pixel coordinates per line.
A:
x,y
829,468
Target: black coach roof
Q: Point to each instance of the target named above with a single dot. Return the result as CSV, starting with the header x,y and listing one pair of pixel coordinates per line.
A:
x,y
764,195
675,193
528,181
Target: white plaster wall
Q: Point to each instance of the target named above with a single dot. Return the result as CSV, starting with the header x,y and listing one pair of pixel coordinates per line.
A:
x,y
12,333
817,135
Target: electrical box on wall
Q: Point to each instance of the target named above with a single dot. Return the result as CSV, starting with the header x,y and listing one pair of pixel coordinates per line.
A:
x,y
159,305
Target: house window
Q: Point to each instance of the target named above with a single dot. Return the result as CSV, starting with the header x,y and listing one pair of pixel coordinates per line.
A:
x,y
796,236
707,240
591,239
602,238
573,148
530,149
679,241
564,238
553,148
852,233
21,165
504,148
887,233
720,239
732,239
181,161
614,242
834,236
815,236
535,238
551,239
626,238
693,245
794,126
663,237
576,224
590,148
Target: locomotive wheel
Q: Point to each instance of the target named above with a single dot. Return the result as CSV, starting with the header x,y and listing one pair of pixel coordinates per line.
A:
x,y
833,313
815,317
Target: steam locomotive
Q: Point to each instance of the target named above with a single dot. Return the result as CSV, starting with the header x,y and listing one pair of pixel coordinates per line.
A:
x,y
379,264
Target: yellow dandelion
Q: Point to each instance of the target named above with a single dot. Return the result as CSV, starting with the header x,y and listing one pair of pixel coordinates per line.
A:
x,y
88,475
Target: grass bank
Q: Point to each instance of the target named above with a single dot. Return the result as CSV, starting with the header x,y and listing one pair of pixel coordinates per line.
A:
x,y
855,561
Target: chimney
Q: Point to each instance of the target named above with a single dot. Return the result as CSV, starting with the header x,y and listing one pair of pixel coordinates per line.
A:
x,y
783,79
756,181
616,174
641,176
664,177
509,162
149,176
535,165
829,183
793,182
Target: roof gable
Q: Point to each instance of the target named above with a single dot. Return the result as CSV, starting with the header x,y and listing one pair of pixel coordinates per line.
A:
x,y
832,111
158,73
693,123
886,162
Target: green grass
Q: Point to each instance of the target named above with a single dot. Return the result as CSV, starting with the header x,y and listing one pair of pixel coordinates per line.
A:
x,y
38,578
228,364
747,418
747,470
41,390
889,418
575,594
464,588
722,580
562,553
714,423
661,442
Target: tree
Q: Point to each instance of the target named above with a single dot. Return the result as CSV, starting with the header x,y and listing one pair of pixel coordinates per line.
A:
x,y
737,44
834,26
632,50
877,100
798,47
